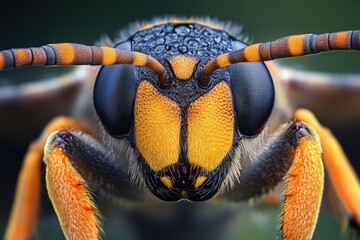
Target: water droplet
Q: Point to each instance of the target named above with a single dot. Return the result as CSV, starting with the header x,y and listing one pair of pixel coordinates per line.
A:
x,y
173,37
217,39
159,49
193,43
160,41
183,49
182,30
148,37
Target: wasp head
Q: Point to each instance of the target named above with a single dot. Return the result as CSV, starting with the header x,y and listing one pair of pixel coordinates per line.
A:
x,y
184,133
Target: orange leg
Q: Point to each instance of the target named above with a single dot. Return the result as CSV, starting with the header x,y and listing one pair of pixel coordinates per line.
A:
x,y
303,194
24,212
342,175
293,153
78,215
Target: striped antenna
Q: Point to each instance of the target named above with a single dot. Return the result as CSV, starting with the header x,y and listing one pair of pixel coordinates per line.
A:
x,y
78,54
292,46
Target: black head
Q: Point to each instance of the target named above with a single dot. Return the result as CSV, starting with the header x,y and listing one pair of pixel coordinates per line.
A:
x,y
184,133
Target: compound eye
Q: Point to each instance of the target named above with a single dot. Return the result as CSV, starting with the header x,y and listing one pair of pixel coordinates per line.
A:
x,y
114,94
253,93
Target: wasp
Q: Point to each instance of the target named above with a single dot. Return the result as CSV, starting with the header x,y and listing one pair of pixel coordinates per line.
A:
x,y
187,111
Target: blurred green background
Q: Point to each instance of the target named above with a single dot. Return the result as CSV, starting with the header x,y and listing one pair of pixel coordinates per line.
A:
x,y
35,23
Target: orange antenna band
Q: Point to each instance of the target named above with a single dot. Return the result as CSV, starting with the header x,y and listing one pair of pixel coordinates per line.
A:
x,y
78,54
297,45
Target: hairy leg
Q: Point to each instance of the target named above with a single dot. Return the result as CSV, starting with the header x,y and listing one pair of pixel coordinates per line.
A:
x,y
293,153
342,175
270,164
76,162
24,211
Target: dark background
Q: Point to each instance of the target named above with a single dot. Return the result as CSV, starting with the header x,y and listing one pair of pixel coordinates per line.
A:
x,y
35,23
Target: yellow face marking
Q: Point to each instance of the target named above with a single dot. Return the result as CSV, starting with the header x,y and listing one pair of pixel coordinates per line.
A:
x,y
167,182
183,67
109,55
157,127
210,128
199,181
295,44
67,53
252,53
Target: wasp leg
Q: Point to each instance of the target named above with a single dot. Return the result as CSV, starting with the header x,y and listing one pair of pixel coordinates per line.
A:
x,y
24,212
270,166
293,152
95,163
74,162
304,188
69,194
341,174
